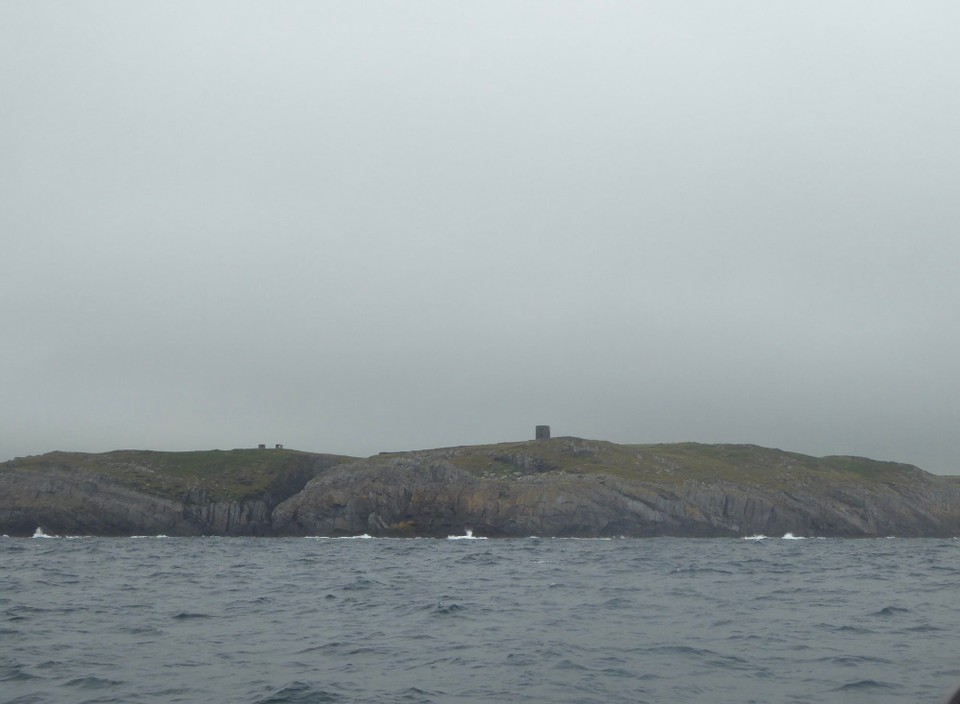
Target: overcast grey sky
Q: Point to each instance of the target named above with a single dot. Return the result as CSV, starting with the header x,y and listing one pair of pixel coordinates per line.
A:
x,y
360,226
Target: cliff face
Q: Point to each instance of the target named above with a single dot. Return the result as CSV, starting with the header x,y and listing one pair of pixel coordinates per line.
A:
x,y
152,493
65,501
427,494
558,487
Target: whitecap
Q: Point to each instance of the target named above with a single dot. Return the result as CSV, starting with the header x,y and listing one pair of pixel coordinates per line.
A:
x,y
338,537
791,536
38,533
468,535
755,538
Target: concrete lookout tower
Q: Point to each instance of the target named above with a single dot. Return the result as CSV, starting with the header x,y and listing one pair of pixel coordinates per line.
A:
x,y
543,432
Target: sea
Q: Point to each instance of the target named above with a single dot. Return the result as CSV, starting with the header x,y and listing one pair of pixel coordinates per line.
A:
x,y
662,620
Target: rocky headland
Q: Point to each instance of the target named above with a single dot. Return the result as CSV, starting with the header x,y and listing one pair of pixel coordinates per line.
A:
x,y
550,487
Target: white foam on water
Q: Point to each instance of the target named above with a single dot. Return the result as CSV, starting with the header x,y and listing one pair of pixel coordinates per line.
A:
x,y
144,537
340,537
791,536
755,538
468,535
38,533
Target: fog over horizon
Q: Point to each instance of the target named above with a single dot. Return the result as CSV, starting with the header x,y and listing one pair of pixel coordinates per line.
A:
x,y
356,227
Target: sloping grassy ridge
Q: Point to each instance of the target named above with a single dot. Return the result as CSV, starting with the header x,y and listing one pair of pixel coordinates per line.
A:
x,y
234,475
677,463
223,475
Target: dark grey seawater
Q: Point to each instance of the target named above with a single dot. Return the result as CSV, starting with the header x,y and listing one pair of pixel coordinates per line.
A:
x,y
320,620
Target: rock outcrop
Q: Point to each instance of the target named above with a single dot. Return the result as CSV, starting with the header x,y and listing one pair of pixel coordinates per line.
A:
x,y
152,493
556,487
427,494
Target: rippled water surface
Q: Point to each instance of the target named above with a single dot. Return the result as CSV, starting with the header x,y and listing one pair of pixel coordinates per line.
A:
x,y
318,620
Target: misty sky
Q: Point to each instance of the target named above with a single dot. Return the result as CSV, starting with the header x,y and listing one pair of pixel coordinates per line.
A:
x,y
362,226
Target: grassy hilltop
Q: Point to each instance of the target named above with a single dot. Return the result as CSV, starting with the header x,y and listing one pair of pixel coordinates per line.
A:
x,y
674,463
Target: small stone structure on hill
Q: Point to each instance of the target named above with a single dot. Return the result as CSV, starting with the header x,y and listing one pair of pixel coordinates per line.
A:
x,y
543,432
